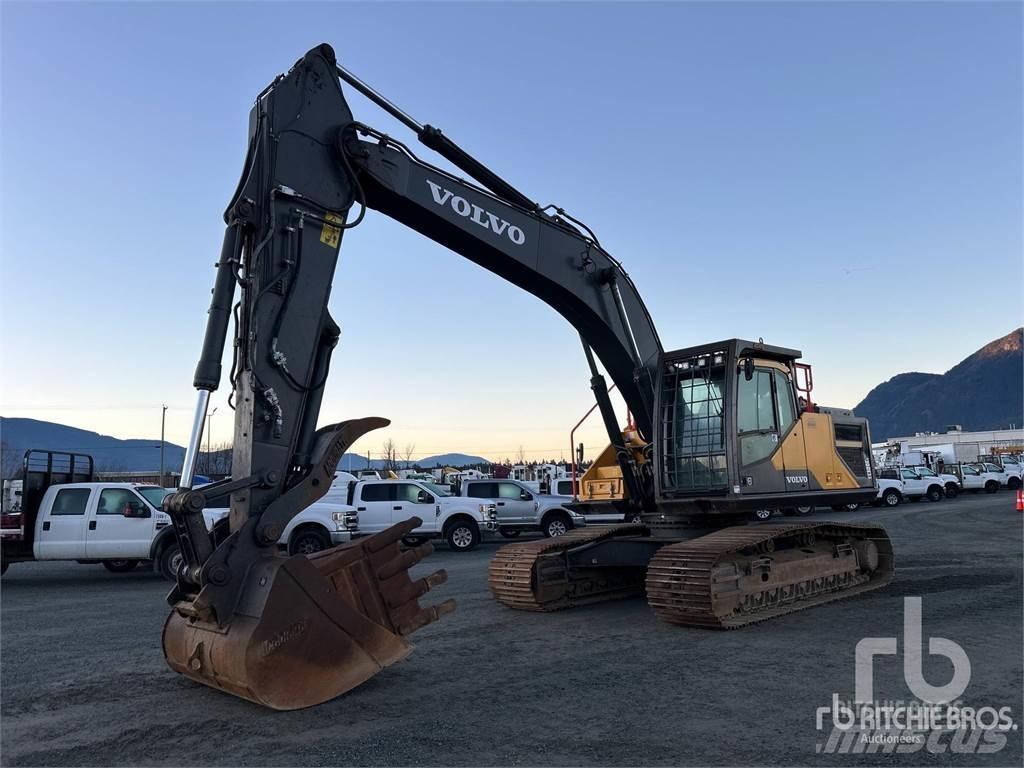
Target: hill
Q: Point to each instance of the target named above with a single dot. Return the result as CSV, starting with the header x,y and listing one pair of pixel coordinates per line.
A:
x,y
983,391
143,455
109,453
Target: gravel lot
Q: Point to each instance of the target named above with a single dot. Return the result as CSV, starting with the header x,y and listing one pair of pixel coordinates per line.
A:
x,y
84,681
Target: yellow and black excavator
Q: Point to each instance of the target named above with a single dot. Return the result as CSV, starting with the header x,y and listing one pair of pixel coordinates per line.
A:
x,y
719,429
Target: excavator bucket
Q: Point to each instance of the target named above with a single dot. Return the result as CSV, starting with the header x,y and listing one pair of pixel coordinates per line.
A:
x,y
308,629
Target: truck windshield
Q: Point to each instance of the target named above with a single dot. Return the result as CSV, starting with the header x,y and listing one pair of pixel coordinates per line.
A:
x,y
440,490
153,494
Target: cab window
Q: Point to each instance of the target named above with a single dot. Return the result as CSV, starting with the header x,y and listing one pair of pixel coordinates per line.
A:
x,y
909,474
408,492
377,492
121,501
482,490
786,410
70,501
509,491
563,488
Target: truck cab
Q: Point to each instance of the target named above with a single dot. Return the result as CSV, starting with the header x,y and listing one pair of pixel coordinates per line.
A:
x,y
916,486
974,478
1010,465
995,471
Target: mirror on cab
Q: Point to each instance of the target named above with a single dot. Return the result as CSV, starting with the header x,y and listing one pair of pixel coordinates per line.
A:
x,y
526,496
135,509
748,368
423,497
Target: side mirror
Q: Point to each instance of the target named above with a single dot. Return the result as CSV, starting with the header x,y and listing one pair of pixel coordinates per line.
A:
x,y
526,496
424,498
131,509
748,368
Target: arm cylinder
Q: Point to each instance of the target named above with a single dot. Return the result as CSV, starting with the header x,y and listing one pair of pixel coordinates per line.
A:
x,y
208,371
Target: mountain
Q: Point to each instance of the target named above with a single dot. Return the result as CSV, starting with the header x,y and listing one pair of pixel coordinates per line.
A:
x,y
109,453
352,462
984,391
143,455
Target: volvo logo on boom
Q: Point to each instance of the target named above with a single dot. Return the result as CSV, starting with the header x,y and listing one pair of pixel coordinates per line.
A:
x,y
476,214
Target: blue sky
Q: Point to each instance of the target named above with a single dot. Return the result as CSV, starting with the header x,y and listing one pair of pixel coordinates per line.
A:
x,y
840,178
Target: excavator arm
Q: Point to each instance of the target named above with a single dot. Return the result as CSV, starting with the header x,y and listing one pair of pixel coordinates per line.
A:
x,y
308,165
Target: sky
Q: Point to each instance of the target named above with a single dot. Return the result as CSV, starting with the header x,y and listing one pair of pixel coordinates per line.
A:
x,y
845,179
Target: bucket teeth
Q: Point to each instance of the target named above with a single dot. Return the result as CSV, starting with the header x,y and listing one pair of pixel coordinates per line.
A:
x,y
309,629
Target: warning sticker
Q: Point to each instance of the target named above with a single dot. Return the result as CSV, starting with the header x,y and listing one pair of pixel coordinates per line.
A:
x,y
331,235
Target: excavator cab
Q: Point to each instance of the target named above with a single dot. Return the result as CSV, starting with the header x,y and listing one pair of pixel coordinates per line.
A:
x,y
738,431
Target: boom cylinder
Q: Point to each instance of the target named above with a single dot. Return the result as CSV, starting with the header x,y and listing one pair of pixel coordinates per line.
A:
x,y
208,370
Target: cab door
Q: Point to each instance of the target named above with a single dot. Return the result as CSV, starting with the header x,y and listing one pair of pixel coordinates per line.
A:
x,y
121,526
793,458
374,506
515,503
758,433
60,529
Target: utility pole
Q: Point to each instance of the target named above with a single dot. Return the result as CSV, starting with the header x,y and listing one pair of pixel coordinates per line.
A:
x,y
163,421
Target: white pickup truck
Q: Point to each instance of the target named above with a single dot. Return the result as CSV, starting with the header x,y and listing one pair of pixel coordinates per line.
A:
x,y
520,508
951,484
996,472
110,523
382,503
973,478
1008,465
914,486
121,524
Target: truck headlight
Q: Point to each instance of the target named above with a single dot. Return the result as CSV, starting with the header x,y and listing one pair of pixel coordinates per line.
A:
x,y
345,521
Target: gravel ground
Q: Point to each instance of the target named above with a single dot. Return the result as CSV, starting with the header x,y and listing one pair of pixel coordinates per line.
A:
x,y
84,681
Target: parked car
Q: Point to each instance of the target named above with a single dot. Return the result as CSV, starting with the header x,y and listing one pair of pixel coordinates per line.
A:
x,y
915,487
520,508
973,478
459,521
995,472
951,484
1010,465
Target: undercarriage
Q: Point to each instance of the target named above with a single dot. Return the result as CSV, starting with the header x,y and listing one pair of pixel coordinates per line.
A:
x,y
722,580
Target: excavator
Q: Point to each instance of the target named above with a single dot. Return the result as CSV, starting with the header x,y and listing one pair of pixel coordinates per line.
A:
x,y
716,430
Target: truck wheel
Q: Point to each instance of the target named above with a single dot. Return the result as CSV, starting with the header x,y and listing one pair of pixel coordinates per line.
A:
x,y
762,514
170,561
557,524
951,491
413,541
462,535
120,566
806,510
308,541
1013,483
991,486
891,497
934,493
509,533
